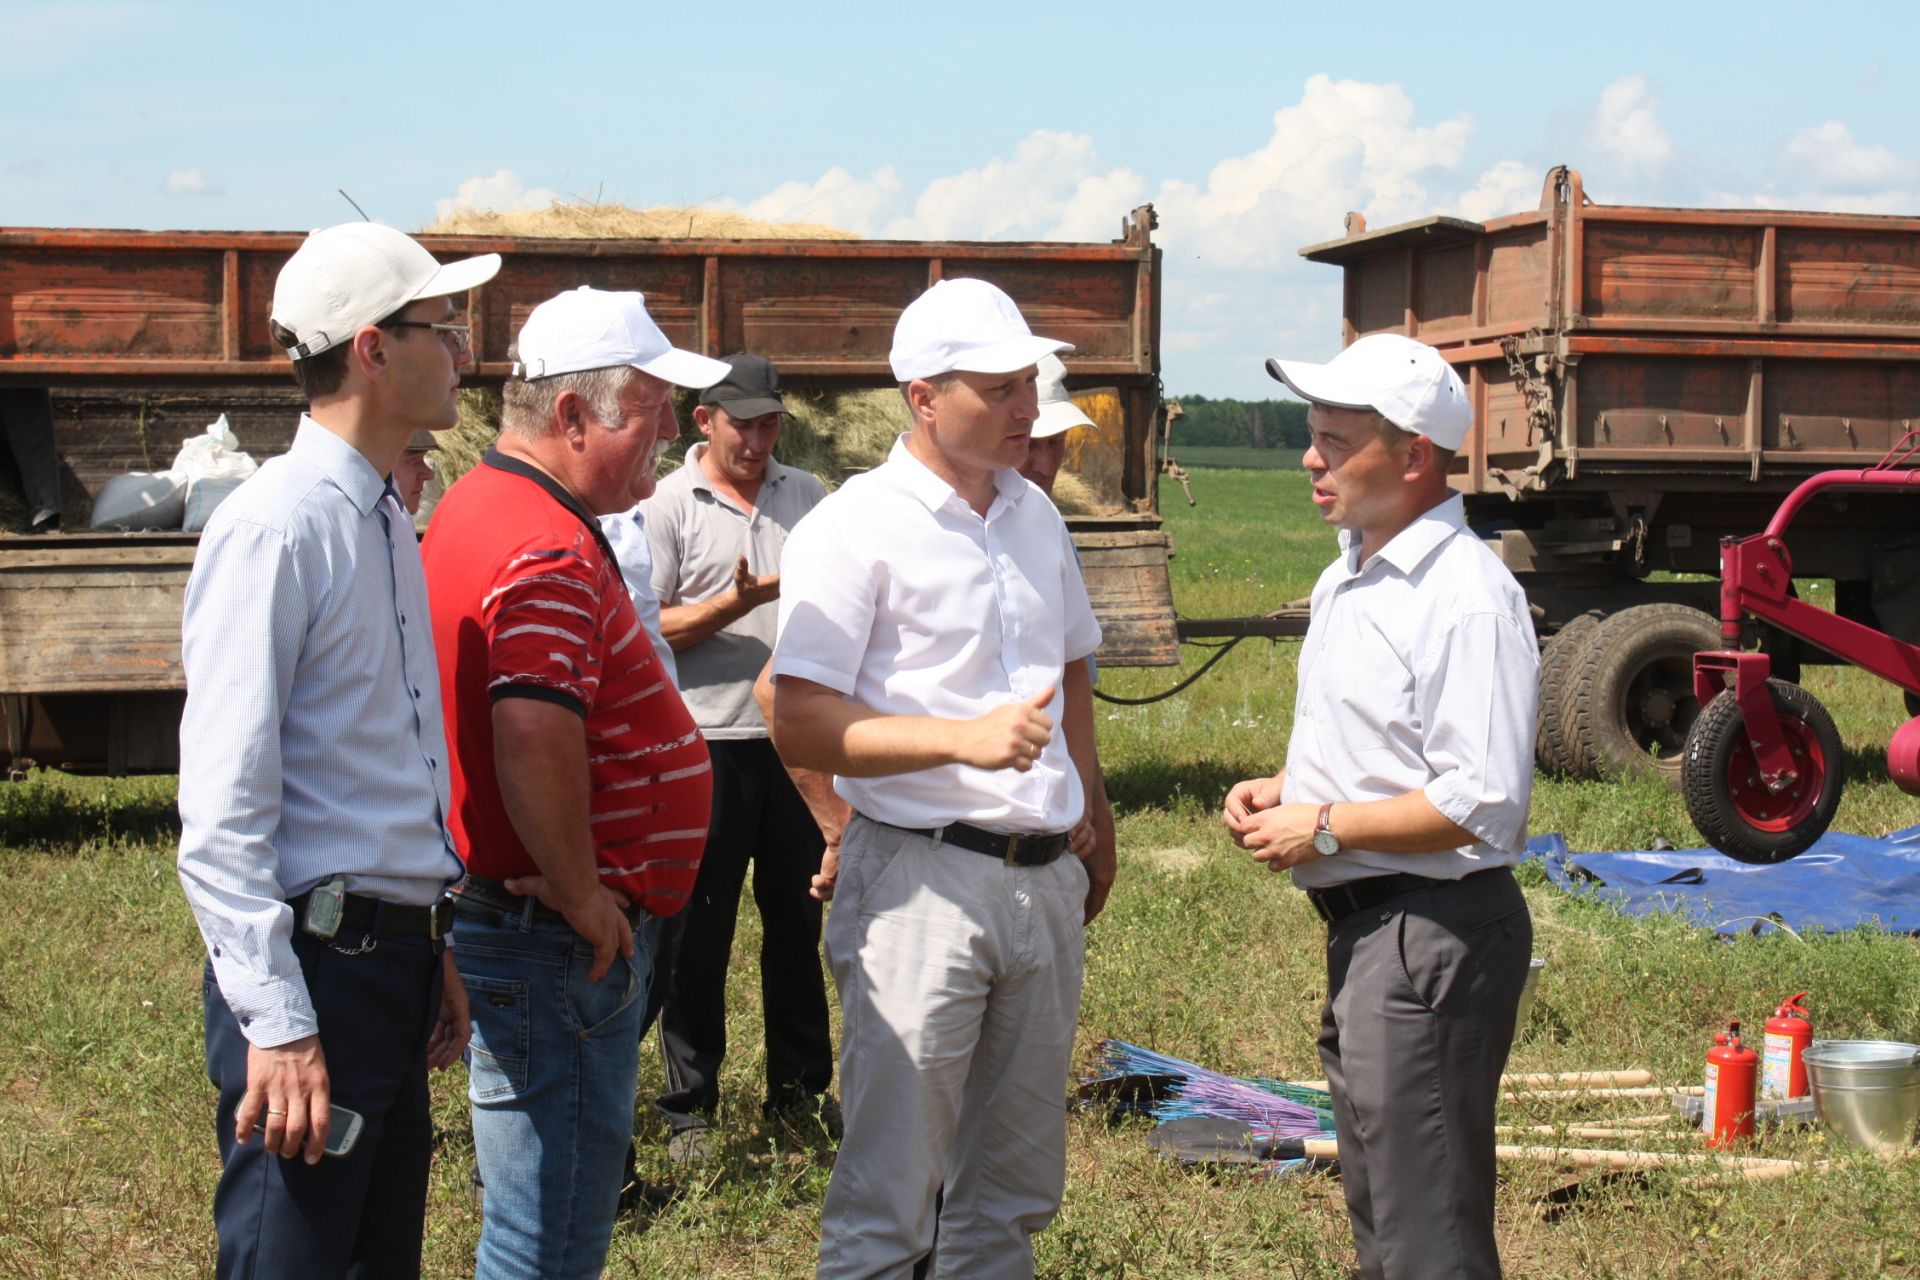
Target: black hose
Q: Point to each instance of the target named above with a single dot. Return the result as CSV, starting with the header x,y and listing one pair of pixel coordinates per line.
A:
x,y
1205,667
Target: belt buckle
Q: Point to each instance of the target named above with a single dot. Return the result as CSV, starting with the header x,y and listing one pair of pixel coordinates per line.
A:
x,y
1026,851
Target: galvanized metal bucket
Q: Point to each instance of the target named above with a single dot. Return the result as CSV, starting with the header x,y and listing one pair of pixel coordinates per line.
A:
x,y
1867,1091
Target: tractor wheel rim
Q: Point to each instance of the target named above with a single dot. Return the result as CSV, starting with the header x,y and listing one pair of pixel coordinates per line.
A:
x,y
1764,810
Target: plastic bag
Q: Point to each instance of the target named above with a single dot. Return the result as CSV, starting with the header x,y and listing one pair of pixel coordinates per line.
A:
x,y
203,495
214,455
140,500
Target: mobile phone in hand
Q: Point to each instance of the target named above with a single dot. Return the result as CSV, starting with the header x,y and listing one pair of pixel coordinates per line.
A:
x,y
343,1129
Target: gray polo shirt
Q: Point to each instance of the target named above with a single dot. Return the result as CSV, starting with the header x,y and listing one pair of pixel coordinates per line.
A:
x,y
698,535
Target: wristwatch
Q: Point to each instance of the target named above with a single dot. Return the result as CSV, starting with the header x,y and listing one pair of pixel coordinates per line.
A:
x,y
1325,843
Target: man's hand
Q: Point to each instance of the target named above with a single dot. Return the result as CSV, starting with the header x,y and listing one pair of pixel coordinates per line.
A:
x,y
1250,797
455,1028
754,592
1281,836
1006,737
600,917
288,1094
822,886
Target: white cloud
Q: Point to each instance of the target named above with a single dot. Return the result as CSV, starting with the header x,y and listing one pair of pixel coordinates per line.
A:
x,y
1626,127
503,192
1827,156
1508,187
836,198
191,182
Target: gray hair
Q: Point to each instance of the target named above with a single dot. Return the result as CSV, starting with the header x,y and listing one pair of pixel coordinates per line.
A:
x,y
526,408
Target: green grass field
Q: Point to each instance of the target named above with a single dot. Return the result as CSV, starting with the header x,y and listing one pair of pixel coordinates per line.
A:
x,y
107,1157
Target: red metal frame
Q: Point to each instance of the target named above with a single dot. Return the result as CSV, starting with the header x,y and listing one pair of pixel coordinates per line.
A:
x,y
1756,577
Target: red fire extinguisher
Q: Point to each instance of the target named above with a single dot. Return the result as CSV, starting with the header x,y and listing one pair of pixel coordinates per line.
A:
x,y
1732,1074
1789,1032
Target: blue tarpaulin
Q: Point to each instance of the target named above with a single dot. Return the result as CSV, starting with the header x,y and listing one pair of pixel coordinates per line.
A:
x,y
1843,882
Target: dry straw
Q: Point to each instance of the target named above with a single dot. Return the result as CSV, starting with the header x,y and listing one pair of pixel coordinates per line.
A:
x,y
833,434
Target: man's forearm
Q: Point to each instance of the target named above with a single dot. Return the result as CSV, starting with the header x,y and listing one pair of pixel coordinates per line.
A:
x,y
830,812
685,625
540,759
837,736
1400,824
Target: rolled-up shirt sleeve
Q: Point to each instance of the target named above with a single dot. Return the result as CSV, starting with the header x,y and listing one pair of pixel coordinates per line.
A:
x,y
1478,688
244,621
827,605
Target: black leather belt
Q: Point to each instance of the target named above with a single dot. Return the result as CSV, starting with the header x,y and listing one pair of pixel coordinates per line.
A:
x,y
363,917
1015,851
495,900
1342,900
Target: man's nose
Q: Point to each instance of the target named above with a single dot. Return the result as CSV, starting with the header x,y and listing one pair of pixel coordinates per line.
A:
x,y
669,424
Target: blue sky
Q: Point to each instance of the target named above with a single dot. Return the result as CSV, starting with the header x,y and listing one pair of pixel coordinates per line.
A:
x,y
1252,126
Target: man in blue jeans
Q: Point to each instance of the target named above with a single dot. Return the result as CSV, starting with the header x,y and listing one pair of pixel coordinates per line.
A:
x,y
581,786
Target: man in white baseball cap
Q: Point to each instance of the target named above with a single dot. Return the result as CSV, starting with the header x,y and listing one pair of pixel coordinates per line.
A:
x,y
1047,451
581,785
1402,806
313,790
932,627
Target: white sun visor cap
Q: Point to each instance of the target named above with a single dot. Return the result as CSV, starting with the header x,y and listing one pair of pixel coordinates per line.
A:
x,y
344,278
588,328
1058,412
968,326
1407,382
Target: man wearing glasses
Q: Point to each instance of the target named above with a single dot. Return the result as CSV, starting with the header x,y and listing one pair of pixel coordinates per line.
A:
x,y
314,848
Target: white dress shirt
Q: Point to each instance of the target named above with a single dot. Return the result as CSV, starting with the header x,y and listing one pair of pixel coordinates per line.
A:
x,y
312,742
633,550
1419,673
896,593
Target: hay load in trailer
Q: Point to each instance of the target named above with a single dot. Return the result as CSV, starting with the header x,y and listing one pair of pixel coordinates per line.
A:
x,y
143,338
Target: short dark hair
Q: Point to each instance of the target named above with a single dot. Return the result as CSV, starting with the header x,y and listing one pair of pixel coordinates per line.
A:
x,y
320,374
324,372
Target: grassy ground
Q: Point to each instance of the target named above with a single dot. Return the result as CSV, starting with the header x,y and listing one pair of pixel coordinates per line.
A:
x,y
106,1151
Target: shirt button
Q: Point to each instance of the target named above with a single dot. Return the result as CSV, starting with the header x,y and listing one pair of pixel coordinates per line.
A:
x,y
432,763
416,691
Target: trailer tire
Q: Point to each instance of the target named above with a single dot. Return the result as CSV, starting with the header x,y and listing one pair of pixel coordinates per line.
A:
x,y
1737,815
1633,690
1556,739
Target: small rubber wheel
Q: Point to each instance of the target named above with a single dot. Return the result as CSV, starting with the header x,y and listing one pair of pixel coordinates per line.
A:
x,y
1725,798
1556,742
1633,699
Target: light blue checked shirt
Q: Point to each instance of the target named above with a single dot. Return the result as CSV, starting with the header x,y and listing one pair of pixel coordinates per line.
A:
x,y
312,744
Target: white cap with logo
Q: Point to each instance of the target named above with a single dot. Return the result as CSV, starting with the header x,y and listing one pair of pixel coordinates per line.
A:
x,y
1058,412
588,328
343,278
1407,382
964,325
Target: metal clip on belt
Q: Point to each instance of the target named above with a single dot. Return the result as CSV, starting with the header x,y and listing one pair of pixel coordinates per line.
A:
x,y
1014,850
372,917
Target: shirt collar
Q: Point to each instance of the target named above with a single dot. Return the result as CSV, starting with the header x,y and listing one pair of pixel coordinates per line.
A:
x,y
935,493
1413,544
340,463
555,490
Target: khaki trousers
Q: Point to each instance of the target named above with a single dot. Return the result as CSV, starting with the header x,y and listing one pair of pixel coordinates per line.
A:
x,y
959,981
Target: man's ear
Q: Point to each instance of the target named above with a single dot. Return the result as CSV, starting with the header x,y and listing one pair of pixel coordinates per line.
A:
x,y
572,412
703,418
367,351
1421,457
920,397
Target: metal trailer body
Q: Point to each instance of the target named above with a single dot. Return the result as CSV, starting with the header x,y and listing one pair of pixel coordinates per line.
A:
x,y
1646,382
143,338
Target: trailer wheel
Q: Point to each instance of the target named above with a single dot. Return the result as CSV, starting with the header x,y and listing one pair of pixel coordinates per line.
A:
x,y
1556,738
1633,692
1725,797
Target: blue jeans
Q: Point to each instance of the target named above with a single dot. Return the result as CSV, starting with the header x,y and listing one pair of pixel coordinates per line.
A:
x,y
551,1078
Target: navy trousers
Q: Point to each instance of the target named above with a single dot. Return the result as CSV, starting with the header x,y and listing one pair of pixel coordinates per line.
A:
x,y
758,818
362,1215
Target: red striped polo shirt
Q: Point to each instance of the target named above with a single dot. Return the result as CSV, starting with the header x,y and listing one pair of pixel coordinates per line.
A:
x,y
528,602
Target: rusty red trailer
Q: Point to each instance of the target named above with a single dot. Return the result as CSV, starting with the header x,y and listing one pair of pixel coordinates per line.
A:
x,y
143,338
1647,381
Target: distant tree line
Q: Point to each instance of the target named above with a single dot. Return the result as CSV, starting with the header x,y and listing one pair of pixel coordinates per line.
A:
x,y
1256,424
